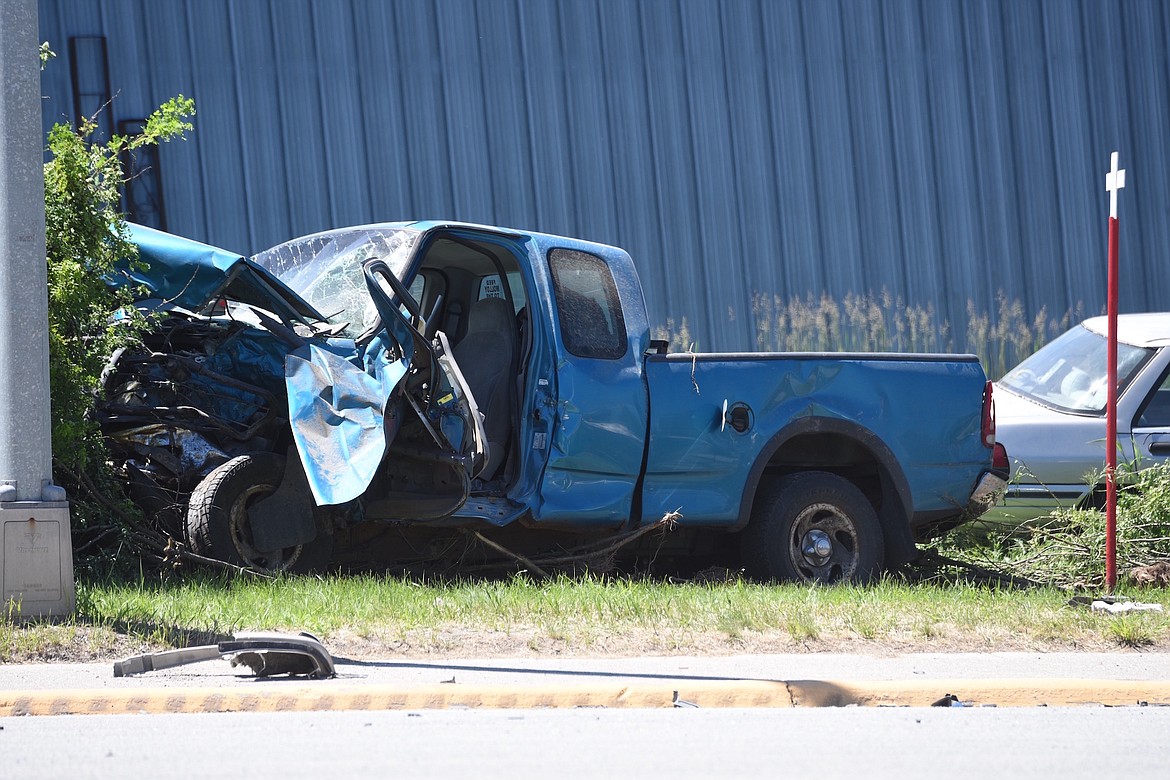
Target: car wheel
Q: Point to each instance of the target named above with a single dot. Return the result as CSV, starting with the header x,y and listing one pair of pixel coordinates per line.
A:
x,y
217,517
813,527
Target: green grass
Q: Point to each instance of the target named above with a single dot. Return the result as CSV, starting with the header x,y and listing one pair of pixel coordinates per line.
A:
x,y
387,616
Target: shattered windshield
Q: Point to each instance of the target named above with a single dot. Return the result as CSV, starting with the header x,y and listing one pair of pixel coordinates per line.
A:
x,y
1071,372
326,269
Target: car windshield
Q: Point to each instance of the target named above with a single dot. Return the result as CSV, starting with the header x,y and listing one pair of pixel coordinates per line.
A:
x,y
1071,372
326,269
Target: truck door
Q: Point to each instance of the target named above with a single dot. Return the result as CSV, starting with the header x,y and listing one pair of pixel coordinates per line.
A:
x,y
346,415
599,401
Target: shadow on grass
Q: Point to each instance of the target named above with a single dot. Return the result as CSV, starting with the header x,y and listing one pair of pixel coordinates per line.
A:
x,y
934,568
162,633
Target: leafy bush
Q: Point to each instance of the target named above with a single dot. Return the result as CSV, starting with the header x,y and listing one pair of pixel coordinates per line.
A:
x,y
1068,547
86,236
86,239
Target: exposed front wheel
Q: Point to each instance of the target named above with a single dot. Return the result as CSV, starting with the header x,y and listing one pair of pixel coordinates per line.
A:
x,y
217,517
813,526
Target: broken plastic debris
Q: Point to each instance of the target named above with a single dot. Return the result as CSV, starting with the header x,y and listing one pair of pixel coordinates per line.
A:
x,y
266,654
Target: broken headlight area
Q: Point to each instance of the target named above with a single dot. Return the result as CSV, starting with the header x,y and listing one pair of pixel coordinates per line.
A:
x,y
195,394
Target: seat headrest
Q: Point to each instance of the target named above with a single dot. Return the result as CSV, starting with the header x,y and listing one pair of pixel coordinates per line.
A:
x,y
490,315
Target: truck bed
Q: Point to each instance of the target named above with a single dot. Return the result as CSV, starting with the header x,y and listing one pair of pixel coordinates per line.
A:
x,y
917,414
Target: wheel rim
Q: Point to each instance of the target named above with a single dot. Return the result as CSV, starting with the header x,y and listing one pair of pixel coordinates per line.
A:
x,y
241,531
823,546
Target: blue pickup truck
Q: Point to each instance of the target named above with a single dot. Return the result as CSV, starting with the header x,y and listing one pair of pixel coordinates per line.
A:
x,y
443,375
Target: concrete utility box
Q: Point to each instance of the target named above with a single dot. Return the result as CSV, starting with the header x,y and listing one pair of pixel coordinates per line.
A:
x,y
36,568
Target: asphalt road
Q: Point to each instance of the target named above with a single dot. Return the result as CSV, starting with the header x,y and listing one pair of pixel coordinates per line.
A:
x,y
1069,743
557,717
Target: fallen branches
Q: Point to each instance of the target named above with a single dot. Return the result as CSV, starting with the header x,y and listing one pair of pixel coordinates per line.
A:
x,y
598,555
930,563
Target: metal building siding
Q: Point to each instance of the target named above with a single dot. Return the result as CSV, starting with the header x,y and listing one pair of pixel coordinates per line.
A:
x,y
943,150
1148,35
793,239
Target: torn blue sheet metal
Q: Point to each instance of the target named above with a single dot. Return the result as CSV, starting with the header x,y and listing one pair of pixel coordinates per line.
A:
x,y
190,275
337,395
338,415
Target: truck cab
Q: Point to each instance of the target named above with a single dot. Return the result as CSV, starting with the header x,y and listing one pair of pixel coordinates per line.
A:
x,y
548,335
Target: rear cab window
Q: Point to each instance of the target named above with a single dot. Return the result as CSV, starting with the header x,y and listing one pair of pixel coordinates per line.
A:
x,y
588,307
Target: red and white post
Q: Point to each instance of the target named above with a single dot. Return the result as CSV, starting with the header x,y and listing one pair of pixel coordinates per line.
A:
x,y
1114,181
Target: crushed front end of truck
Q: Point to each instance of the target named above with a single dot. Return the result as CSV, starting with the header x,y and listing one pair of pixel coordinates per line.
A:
x,y
205,385
248,426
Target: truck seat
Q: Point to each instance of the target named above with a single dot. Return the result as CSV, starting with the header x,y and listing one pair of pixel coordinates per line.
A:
x,y
486,356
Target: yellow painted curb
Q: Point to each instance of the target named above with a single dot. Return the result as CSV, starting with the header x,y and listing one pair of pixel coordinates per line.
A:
x,y
279,696
1001,693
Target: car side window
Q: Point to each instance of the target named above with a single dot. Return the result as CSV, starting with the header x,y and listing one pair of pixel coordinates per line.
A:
x,y
589,310
416,290
1156,412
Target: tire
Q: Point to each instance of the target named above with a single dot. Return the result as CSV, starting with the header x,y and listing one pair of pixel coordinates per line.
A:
x,y
813,527
217,519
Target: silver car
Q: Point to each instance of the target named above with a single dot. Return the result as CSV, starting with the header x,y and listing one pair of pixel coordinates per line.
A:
x,y
1050,413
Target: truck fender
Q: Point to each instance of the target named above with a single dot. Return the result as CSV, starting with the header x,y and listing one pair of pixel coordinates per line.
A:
x,y
897,506
285,518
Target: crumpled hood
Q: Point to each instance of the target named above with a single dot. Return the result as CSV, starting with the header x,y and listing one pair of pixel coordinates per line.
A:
x,y
190,275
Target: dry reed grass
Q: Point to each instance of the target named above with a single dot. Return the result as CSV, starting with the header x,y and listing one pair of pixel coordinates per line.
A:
x,y
882,322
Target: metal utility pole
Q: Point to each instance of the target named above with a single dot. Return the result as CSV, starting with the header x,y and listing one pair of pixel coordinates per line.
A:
x,y
36,559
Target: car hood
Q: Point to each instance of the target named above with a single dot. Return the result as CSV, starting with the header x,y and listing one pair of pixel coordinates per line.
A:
x,y
1046,445
1013,407
190,275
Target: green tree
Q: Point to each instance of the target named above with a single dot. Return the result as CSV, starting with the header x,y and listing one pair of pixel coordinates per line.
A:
x,y
86,236
86,239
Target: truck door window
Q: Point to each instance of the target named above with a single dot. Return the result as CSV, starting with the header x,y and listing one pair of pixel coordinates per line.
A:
x,y
418,287
589,310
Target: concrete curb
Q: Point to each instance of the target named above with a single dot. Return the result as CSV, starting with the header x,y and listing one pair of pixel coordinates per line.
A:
x,y
282,696
999,693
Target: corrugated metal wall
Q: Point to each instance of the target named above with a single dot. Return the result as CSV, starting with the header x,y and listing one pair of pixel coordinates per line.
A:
x,y
944,150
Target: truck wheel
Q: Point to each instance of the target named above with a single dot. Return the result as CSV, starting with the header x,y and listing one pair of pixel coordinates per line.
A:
x,y
217,517
813,527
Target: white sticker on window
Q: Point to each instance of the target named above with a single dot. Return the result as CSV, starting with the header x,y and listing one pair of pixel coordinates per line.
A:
x,y
538,440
